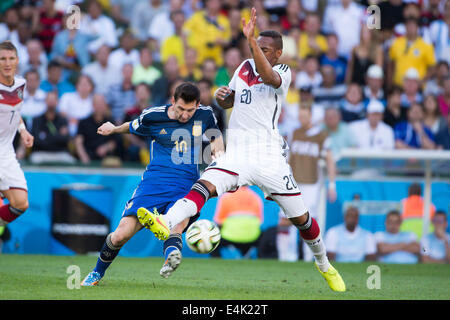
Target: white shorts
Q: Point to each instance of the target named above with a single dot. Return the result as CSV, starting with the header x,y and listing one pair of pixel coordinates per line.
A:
x,y
11,175
272,174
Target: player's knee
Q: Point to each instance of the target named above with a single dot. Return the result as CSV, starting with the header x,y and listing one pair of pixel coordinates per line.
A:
x,y
20,204
119,238
300,220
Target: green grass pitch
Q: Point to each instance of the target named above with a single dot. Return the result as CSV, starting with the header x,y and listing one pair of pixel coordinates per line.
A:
x,y
35,277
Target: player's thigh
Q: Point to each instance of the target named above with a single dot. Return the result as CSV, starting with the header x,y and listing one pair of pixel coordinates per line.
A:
x,y
13,185
222,174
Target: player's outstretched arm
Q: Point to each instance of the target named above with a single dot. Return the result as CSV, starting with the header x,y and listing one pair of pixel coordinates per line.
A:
x,y
108,128
224,97
263,66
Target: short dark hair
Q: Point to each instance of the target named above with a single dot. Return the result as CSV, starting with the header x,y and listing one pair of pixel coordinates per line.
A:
x,y
393,213
414,189
275,35
8,45
188,92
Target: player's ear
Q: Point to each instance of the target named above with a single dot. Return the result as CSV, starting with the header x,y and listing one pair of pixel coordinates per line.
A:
x,y
172,101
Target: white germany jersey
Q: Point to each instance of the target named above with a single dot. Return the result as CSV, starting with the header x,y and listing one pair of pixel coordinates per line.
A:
x,y
11,100
257,107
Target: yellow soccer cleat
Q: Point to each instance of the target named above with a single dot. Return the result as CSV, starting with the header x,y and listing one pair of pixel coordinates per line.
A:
x,y
154,222
333,278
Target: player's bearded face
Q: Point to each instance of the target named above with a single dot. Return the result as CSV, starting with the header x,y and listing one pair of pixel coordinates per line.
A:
x,y
8,63
184,111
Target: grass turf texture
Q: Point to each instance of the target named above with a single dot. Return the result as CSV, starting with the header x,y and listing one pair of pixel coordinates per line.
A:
x,y
32,277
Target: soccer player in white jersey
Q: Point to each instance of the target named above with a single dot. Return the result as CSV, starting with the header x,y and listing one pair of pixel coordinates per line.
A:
x,y
13,185
256,152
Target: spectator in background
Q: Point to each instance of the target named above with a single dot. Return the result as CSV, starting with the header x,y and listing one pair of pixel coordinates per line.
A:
x,y
391,13
367,53
294,17
136,148
34,59
191,70
121,96
99,26
339,133
394,112
145,71
444,98
47,22
310,75
331,57
431,12
413,134
411,89
8,28
311,42
161,88
209,70
443,136
174,45
54,80
436,245
51,135
347,16
352,106
70,49
33,98
412,210
435,85
440,33
409,51
307,101
394,246
163,25
239,215
126,53
122,11
372,132
348,242
308,145
208,32
143,15
374,84
206,99
76,106
432,115
235,19
329,93
88,144
102,73
23,36
232,58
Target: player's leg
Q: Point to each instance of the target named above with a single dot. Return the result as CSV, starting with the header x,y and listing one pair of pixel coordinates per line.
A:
x,y
213,182
18,204
173,246
127,228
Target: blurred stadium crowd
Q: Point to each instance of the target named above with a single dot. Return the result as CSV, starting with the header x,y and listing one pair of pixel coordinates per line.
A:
x,y
386,87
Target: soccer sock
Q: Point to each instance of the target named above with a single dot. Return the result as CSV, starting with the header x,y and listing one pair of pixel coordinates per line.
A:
x,y
106,256
188,206
172,243
8,214
310,233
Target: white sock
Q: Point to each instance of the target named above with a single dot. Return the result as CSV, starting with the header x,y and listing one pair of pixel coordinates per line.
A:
x,y
182,209
319,251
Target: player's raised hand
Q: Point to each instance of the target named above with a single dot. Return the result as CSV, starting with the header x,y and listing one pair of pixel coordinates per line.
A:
x,y
27,138
249,28
106,129
222,93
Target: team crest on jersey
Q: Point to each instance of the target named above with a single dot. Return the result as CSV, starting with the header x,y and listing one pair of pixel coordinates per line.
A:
x,y
197,129
248,75
20,94
163,131
135,124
